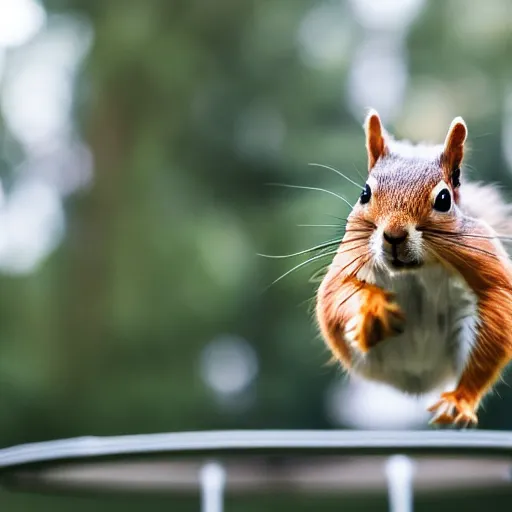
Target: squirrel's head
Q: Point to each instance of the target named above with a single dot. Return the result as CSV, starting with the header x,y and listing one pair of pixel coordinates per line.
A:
x,y
409,189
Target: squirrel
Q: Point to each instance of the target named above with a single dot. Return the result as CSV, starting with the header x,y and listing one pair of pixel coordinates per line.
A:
x,y
419,293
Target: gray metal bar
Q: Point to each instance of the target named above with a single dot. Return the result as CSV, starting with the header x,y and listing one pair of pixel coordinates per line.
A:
x,y
209,443
212,478
400,477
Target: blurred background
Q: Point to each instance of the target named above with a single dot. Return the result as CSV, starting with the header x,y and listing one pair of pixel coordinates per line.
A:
x,y
136,142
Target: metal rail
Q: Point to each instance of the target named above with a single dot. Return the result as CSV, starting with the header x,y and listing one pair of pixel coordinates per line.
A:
x,y
400,466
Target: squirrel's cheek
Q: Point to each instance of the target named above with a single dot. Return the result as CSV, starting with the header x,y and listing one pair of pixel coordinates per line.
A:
x,y
375,244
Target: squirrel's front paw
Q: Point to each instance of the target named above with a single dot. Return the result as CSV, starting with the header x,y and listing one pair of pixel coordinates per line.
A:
x,y
454,408
379,317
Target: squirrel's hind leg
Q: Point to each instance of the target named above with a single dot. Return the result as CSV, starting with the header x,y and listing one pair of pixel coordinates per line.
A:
x,y
488,272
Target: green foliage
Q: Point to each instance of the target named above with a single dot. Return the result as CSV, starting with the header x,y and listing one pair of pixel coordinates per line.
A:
x,y
159,256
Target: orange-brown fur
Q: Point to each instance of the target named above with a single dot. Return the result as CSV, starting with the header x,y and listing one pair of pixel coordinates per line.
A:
x,y
355,315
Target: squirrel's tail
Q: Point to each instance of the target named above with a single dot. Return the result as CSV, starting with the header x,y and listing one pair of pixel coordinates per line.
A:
x,y
486,202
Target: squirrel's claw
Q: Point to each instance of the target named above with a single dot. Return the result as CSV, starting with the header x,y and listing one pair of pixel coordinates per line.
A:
x,y
379,318
453,409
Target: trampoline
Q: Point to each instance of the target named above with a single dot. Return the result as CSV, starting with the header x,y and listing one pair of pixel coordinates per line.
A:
x,y
214,464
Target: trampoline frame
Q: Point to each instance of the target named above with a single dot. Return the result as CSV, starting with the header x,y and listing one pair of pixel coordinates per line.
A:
x,y
398,447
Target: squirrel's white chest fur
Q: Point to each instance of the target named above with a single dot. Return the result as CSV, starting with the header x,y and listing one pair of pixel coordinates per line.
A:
x,y
440,326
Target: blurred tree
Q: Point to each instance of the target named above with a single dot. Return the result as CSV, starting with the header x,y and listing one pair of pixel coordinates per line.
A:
x,y
190,108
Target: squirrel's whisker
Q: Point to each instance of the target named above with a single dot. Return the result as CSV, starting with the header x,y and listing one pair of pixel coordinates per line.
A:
x,y
456,234
287,185
309,300
317,273
361,255
503,238
324,269
367,259
327,244
454,254
337,172
341,219
319,226
343,250
334,226
439,240
360,222
300,265
359,230
358,172
344,245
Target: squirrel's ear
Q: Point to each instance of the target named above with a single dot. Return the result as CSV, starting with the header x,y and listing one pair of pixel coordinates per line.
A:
x,y
454,144
375,138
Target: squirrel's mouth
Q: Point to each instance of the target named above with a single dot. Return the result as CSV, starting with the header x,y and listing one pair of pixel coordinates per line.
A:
x,y
399,264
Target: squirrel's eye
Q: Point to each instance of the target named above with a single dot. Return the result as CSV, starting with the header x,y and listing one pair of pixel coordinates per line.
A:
x,y
366,194
443,201
456,178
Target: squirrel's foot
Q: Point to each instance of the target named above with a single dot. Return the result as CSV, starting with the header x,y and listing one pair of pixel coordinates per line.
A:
x,y
454,408
379,318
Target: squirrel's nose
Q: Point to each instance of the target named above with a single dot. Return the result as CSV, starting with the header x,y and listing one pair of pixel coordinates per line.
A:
x,y
396,236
